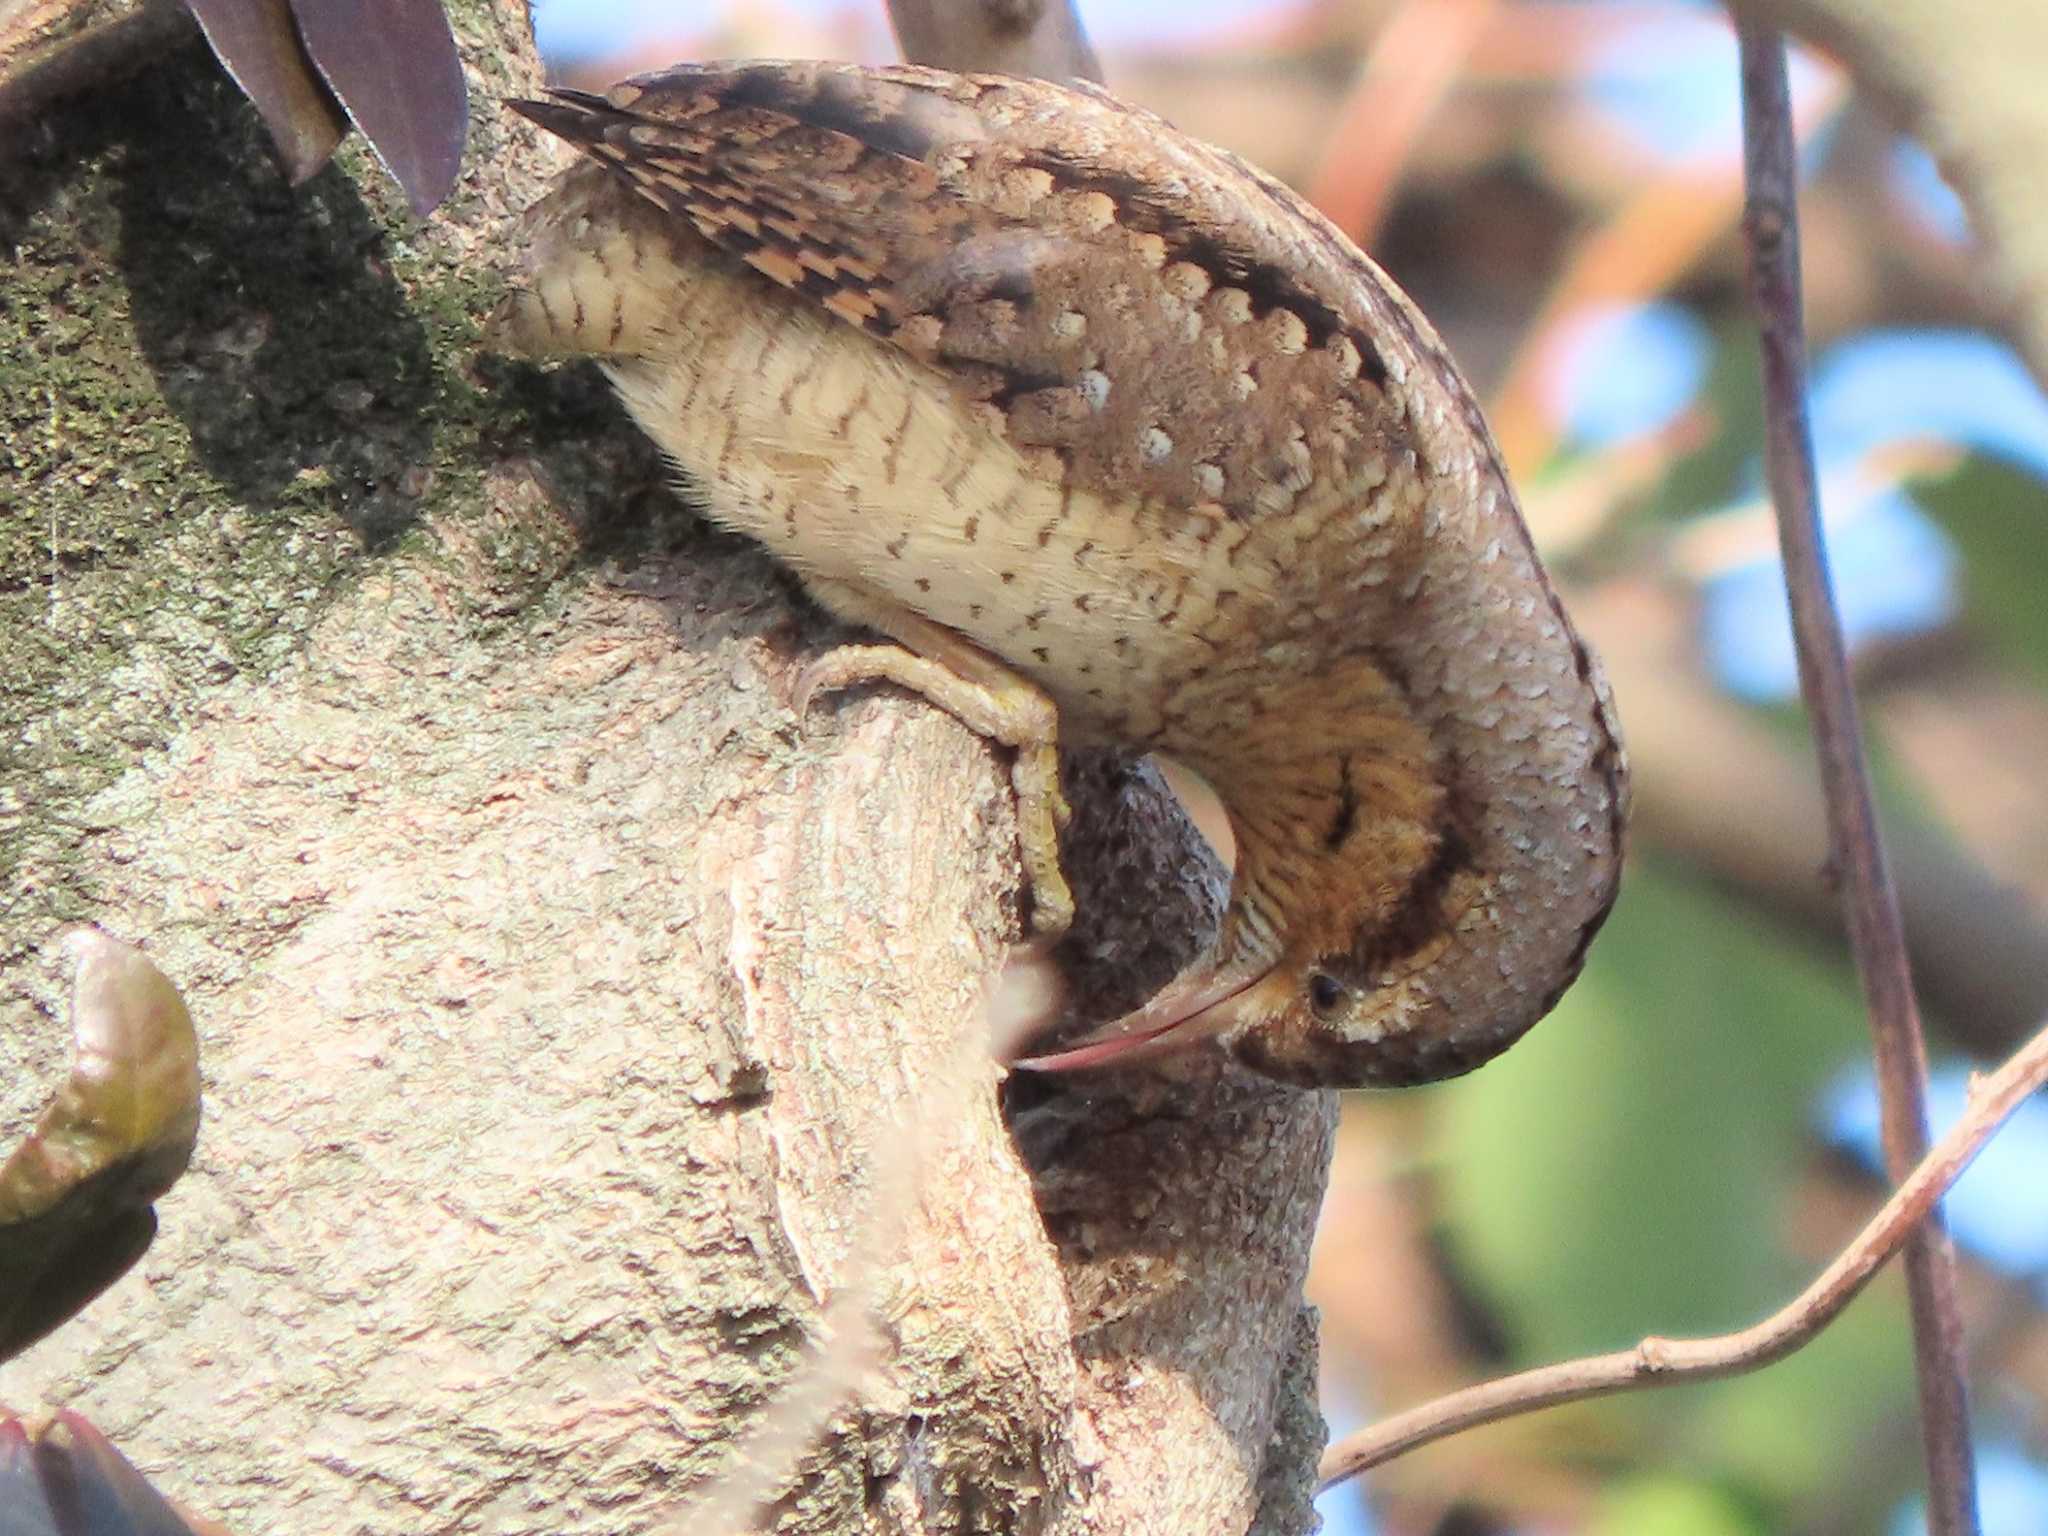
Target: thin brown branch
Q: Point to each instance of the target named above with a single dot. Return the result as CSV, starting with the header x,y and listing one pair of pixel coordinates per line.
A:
x,y
1659,1362
1876,935
1009,37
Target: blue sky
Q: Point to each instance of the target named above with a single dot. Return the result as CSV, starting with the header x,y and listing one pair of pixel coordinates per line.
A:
x,y
584,28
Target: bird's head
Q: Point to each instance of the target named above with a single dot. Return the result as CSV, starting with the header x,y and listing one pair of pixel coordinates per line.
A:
x,y
1379,933
1329,982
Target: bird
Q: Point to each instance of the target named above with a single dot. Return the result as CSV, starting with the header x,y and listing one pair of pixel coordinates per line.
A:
x,y
1115,439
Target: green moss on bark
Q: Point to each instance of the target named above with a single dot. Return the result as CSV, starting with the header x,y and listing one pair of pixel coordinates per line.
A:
x,y
220,398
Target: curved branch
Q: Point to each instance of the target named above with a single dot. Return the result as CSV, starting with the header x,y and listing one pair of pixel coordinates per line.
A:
x,y
1660,1362
50,49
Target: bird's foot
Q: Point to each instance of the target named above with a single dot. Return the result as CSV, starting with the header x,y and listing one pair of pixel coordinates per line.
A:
x,y
1005,708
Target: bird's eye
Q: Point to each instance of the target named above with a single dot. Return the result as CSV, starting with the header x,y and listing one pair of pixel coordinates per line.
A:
x,y
1325,993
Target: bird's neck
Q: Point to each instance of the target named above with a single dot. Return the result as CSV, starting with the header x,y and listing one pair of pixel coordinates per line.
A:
x,y
1338,801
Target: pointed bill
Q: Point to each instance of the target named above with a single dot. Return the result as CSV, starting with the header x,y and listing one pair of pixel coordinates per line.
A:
x,y
1201,1005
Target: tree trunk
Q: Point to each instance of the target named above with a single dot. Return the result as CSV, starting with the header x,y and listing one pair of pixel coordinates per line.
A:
x,y
595,1055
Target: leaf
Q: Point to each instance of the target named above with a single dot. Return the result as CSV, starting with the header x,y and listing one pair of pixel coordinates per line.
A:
x,y
68,1480
1669,1506
258,46
394,67
1609,1176
75,1197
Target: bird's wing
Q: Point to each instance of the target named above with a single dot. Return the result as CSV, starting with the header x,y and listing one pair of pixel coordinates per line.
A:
x,y
1179,327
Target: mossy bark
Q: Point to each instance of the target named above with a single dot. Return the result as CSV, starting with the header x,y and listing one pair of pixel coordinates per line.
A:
x,y
566,1007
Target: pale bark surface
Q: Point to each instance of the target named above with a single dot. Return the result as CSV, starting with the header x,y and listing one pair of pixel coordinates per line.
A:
x,y
566,1008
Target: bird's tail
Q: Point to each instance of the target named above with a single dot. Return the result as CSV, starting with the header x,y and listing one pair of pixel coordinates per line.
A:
x,y
596,275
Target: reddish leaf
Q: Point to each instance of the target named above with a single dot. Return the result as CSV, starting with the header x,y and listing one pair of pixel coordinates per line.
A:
x,y
257,44
23,1509
68,1480
393,66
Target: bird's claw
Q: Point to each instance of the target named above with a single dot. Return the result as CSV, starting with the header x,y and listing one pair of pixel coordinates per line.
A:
x,y
1009,713
818,676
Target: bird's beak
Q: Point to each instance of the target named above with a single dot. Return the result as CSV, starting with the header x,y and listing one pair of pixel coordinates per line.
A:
x,y
1201,1005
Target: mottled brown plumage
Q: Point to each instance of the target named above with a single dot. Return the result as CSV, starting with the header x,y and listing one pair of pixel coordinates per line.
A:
x,y
1116,433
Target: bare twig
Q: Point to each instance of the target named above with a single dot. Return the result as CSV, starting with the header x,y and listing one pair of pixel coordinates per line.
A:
x,y
1960,76
1876,935
1908,1219
1009,37
1658,1362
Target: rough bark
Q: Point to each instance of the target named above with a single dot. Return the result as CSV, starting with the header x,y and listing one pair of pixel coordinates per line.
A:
x,y
567,1008
51,49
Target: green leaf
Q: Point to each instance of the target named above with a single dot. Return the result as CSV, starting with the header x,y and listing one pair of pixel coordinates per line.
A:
x,y
1628,1169
1668,1506
1619,1172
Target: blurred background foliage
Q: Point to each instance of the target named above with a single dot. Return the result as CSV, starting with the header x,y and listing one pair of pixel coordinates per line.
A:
x,y
1693,1133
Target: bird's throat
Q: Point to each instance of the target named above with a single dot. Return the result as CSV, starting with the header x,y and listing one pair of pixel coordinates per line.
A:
x,y
1340,809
